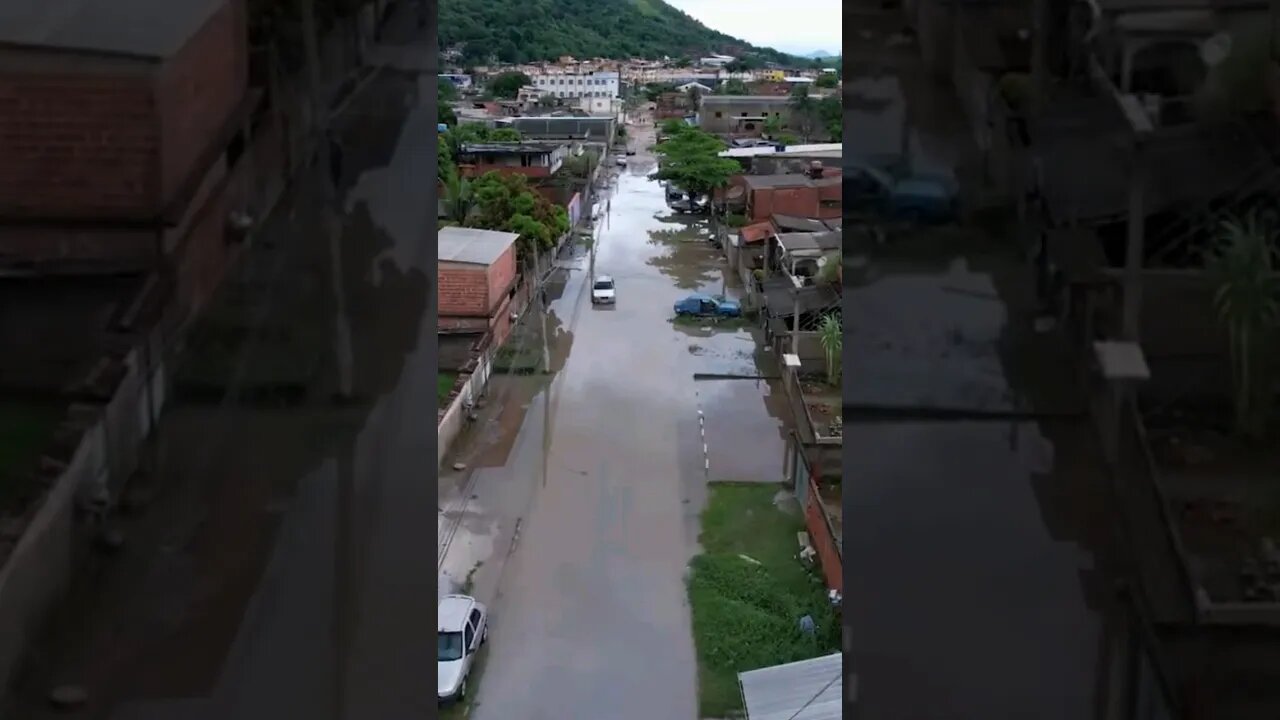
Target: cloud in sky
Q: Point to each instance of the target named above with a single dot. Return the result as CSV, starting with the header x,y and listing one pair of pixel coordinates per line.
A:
x,y
798,26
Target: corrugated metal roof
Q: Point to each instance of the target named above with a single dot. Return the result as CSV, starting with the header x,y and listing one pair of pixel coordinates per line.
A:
x,y
779,692
825,149
472,246
152,29
759,182
794,223
757,99
820,241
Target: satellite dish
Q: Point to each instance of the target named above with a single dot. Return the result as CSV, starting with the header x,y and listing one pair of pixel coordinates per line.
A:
x,y
1216,49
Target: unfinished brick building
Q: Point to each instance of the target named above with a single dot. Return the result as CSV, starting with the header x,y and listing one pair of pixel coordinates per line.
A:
x,y
476,278
121,127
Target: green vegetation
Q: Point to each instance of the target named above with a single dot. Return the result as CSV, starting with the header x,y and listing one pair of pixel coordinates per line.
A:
x,y
733,86
24,430
444,386
831,336
1247,300
746,613
506,202
690,159
517,31
507,85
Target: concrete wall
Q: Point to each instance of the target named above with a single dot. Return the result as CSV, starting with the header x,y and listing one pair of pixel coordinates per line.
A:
x,y
105,449
453,418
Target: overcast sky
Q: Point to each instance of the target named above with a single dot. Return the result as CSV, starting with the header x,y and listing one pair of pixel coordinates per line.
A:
x,y
796,26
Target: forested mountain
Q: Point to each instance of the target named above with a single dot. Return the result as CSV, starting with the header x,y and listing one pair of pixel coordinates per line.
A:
x,y
529,30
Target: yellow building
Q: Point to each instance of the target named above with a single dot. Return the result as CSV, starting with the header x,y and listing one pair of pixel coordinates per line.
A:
x,y
772,75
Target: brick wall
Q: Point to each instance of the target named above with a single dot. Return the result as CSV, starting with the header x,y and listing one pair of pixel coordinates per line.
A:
x,y
502,273
463,290
801,202
77,143
820,536
197,91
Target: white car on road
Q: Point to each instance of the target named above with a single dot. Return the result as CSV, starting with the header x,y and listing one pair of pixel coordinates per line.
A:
x,y
603,291
462,626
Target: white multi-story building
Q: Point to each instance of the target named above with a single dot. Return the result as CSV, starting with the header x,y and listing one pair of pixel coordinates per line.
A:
x,y
594,91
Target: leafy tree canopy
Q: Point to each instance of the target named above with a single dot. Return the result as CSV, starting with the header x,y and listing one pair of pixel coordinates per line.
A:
x,y
516,31
507,203
507,85
689,158
733,86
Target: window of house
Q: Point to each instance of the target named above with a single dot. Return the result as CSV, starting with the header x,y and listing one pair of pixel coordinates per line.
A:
x,y
719,114
749,126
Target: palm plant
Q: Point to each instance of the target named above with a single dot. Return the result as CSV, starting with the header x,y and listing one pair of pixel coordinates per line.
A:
x,y
803,108
458,199
831,335
1247,302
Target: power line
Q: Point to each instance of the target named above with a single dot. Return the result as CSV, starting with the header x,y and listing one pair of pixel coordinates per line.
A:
x,y
817,695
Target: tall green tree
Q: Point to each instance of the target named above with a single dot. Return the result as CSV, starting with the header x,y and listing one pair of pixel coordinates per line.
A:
x,y
831,117
733,86
507,203
1247,302
689,158
507,85
804,111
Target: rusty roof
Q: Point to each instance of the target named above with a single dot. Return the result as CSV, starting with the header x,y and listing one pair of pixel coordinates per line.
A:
x,y
755,232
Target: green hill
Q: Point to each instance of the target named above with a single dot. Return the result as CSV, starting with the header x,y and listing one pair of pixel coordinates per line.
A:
x,y
528,30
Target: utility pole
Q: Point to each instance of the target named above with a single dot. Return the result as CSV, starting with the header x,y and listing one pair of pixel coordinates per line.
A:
x,y
320,117
1135,247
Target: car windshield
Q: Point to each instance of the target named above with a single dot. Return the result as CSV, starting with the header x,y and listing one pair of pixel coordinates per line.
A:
x,y
448,646
604,285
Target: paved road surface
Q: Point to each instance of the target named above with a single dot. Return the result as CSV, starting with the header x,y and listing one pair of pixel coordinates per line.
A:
x,y
590,618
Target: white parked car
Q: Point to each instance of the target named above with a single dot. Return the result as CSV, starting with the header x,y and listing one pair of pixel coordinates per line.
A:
x,y
462,626
602,291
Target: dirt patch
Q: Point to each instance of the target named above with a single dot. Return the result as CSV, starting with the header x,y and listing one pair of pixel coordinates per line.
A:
x,y
824,406
1225,499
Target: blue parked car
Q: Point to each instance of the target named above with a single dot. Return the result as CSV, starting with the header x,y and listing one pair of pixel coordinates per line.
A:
x,y
700,305
916,198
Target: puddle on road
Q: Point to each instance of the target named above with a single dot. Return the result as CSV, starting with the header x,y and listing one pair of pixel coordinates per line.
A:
x,y
690,259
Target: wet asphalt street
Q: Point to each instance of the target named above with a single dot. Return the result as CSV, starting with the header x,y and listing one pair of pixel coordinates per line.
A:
x,y
273,568
600,482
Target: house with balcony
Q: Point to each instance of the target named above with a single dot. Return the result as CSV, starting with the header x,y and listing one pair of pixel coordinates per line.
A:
x,y
741,115
528,158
